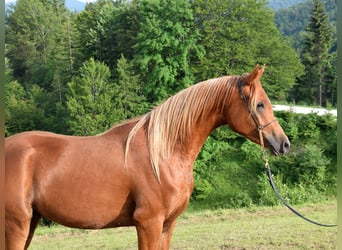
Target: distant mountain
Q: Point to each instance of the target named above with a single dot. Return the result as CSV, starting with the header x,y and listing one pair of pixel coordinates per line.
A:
x,y
72,5
282,4
75,5
292,21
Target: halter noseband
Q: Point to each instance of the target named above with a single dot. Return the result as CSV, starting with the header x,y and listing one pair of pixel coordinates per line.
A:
x,y
253,115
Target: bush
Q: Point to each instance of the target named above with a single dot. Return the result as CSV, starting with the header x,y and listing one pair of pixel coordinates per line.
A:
x,y
293,194
232,175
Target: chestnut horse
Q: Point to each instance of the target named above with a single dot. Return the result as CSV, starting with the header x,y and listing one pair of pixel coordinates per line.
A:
x,y
138,173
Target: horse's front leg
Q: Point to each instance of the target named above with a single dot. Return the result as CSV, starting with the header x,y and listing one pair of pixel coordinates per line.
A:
x,y
154,234
149,229
167,234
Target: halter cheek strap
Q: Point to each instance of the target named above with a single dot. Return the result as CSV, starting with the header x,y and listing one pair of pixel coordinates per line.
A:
x,y
253,115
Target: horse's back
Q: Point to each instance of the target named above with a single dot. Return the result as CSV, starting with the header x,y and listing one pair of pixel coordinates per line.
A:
x,y
21,149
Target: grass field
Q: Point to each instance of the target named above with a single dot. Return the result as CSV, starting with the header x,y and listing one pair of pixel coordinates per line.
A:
x,y
256,228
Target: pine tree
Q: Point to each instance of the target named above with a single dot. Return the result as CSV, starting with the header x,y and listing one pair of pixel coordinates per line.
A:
x,y
316,57
89,100
128,91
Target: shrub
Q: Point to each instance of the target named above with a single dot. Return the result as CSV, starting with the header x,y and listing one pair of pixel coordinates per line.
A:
x,y
229,172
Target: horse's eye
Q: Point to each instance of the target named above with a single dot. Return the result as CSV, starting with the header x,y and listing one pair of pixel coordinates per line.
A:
x,y
260,105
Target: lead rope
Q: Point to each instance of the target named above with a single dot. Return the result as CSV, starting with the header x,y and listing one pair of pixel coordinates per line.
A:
x,y
269,175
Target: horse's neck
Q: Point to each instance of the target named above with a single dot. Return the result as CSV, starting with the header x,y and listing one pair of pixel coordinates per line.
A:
x,y
200,133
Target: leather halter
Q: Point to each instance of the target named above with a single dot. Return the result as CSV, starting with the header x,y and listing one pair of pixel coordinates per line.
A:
x,y
253,115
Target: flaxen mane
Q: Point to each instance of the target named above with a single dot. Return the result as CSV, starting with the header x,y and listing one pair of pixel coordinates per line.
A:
x,y
171,122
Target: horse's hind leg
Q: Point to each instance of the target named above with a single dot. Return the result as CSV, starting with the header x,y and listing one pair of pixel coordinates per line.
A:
x,y
34,222
17,228
16,232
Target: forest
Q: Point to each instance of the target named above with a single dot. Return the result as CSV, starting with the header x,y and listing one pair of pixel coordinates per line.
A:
x,y
79,73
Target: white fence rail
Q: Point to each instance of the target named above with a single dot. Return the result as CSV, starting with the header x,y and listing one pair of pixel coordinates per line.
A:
x,y
304,110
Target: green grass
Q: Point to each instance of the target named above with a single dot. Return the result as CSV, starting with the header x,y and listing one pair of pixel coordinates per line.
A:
x,y
257,228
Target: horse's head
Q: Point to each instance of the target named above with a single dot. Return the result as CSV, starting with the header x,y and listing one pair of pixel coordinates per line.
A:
x,y
252,115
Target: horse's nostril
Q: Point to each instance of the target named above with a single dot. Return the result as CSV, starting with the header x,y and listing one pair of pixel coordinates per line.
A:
x,y
286,146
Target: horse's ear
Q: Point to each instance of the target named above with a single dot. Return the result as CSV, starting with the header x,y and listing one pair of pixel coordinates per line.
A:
x,y
254,75
261,71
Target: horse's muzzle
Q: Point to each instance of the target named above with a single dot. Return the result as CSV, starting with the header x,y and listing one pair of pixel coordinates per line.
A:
x,y
278,147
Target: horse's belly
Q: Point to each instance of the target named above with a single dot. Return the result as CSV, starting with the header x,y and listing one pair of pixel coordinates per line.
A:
x,y
86,200
79,212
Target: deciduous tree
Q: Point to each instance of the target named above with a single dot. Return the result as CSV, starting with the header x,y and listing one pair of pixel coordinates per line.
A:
x,y
35,37
237,34
166,41
107,29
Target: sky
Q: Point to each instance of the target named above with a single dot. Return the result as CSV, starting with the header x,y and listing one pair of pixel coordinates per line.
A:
x,y
73,5
83,1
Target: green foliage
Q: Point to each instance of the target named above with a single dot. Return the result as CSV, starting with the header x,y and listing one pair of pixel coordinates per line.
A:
x,y
164,44
293,194
89,100
292,21
300,176
95,102
40,53
328,127
310,131
288,121
318,59
37,44
313,166
232,175
17,109
206,167
128,91
237,34
220,171
28,109
202,189
306,164
105,30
